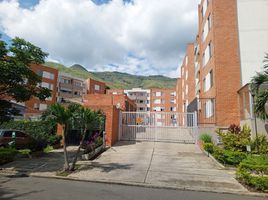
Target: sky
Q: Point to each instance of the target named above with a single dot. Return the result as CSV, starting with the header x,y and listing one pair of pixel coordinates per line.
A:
x,y
143,37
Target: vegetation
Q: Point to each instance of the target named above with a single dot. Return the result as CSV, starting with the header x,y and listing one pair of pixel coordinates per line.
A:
x,y
206,138
209,147
40,131
74,117
260,90
117,79
228,157
253,171
235,139
7,155
18,81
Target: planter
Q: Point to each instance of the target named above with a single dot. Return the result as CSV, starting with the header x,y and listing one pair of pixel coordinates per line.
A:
x,y
94,154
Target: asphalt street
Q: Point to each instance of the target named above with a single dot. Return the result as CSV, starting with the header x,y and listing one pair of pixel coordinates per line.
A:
x,y
53,189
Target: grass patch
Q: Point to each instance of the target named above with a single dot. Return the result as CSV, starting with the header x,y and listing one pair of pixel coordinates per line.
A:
x,y
63,173
48,149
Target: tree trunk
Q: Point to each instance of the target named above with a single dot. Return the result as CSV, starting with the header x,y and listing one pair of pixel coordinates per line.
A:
x,y
66,161
78,150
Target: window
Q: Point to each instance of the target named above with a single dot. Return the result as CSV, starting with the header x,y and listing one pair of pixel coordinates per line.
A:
x,y
141,108
36,106
48,75
173,94
173,101
209,108
47,85
172,108
141,101
186,60
42,106
186,75
208,54
8,134
157,101
78,84
77,93
205,31
209,22
158,94
186,89
65,81
97,87
208,81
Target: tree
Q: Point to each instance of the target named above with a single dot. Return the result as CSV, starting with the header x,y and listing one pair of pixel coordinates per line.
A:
x,y
18,81
261,93
62,116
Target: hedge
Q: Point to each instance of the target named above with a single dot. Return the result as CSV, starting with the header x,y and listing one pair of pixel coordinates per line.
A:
x,y
40,131
7,155
228,157
253,171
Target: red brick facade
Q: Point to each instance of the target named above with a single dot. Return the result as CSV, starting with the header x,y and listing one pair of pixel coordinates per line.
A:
x,y
49,75
164,99
95,87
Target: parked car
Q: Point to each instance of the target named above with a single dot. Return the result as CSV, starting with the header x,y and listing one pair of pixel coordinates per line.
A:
x,y
23,140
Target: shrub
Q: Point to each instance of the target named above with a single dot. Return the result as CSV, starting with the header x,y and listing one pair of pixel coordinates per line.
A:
x,y
235,139
7,155
38,130
209,147
206,138
54,139
253,171
262,144
228,157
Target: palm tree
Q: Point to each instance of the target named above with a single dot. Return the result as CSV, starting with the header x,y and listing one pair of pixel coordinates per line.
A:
x,y
62,116
85,120
261,94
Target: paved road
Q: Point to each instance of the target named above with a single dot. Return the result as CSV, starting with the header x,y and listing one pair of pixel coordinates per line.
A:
x,y
53,189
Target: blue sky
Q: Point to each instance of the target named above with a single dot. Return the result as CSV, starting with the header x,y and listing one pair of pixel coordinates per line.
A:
x,y
144,37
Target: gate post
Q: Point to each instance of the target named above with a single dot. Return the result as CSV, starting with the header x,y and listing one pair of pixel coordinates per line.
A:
x,y
195,127
120,126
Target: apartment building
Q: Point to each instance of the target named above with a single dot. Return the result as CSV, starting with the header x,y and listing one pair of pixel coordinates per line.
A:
x,y
95,87
35,107
186,82
163,100
141,97
70,88
115,91
229,49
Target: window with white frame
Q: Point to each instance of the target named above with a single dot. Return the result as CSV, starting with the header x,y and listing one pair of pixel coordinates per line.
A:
x,y
186,60
157,101
42,106
209,108
205,31
173,101
158,94
209,21
208,81
173,94
208,54
204,8
186,89
48,75
172,108
186,75
47,85
96,87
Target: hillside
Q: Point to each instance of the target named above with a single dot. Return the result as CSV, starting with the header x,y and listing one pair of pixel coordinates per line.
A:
x,y
117,80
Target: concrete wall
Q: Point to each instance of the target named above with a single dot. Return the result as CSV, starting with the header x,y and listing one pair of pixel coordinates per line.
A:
x,y
253,36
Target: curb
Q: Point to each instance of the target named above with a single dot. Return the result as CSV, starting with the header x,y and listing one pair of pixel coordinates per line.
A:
x,y
253,194
214,159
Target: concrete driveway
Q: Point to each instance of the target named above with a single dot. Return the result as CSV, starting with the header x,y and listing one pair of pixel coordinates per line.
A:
x,y
171,165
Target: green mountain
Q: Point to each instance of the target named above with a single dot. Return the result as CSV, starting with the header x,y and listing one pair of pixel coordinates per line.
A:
x,y
117,80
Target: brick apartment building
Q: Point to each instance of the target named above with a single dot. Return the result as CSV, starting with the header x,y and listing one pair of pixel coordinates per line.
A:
x,y
34,107
229,49
163,100
95,87
70,87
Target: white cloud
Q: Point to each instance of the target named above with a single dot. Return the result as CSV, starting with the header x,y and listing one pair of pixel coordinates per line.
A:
x,y
99,35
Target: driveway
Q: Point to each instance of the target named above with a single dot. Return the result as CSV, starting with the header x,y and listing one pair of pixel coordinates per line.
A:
x,y
158,164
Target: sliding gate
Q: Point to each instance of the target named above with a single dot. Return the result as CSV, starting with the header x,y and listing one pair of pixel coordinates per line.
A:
x,y
158,126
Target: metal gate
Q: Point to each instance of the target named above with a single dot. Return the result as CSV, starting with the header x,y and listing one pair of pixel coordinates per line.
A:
x,y
158,126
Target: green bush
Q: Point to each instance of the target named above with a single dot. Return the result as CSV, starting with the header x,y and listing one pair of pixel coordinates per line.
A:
x,y
228,157
235,139
253,171
206,138
7,155
54,139
209,147
38,130
262,144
